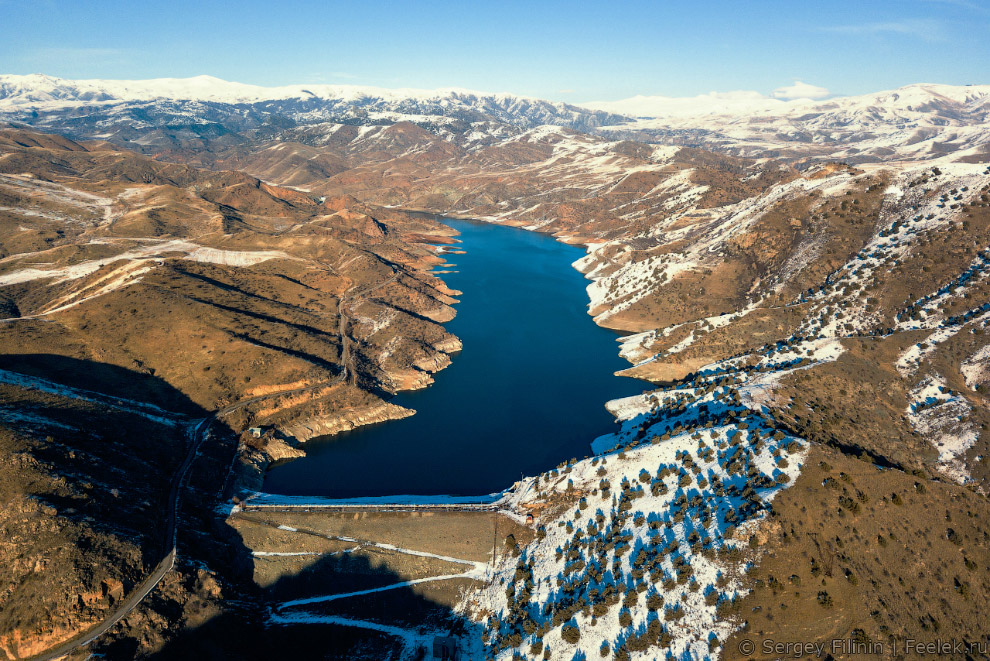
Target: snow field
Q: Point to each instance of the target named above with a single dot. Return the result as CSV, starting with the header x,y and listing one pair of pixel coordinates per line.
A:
x,y
638,558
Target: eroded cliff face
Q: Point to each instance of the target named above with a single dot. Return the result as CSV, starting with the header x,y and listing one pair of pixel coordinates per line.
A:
x,y
334,422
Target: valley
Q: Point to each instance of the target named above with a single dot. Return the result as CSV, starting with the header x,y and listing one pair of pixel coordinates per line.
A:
x,y
802,291
522,318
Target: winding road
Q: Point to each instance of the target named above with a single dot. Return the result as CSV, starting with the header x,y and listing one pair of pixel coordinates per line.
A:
x,y
197,433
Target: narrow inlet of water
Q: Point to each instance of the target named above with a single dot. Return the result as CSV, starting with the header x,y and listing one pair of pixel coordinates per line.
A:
x,y
527,392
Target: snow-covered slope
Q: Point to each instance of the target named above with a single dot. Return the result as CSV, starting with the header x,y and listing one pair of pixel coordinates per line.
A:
x,y
634,547
206,96
918,98
919,121
916,121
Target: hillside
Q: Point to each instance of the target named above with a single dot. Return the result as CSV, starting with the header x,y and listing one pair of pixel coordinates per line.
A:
x,y
920,121
184,292
204,117
761,291
803,285
837,324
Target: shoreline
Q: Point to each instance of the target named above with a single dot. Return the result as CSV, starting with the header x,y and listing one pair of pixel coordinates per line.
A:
x,y
296,441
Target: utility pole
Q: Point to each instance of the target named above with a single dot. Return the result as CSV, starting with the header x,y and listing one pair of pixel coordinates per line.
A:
x,y
491,578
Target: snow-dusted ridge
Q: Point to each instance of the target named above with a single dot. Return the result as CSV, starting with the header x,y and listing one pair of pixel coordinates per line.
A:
x,y
636,546
744,103
919,121
924,120
39,89
205,96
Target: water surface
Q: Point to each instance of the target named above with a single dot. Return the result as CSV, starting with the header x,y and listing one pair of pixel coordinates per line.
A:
x,y
526,392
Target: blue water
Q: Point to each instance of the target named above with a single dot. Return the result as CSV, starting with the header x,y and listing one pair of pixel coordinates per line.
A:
x,y
526,393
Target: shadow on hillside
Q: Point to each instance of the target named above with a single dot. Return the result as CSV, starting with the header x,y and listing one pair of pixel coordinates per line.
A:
x,y
251,634
130,460
104,460
107,439
103,378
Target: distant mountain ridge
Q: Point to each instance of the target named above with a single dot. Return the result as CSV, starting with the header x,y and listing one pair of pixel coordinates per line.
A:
x,y
917,121
204,96
918,96
210,115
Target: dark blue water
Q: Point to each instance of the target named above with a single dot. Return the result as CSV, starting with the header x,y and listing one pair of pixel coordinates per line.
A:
x,y
527,391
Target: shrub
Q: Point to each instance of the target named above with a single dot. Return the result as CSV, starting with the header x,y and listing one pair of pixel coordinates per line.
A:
x,y
849,504
570,634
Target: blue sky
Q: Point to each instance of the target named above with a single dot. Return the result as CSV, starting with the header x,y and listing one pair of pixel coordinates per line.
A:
x,y
574,51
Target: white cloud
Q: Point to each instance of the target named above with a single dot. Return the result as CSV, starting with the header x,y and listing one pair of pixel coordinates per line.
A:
x,y
738,102
924,29
800,90
703,104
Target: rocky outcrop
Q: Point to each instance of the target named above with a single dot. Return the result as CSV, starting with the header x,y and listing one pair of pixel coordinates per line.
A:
x,y
20,644
304,429
283,442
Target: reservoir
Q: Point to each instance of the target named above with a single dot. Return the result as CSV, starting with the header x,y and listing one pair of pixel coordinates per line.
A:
x,y
527,391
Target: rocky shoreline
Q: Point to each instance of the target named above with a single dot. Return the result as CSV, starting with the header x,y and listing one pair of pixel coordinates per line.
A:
x,y
292,417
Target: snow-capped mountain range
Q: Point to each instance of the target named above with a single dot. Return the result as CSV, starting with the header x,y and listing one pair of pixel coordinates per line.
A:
x,y
914,122
920,97
302,103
